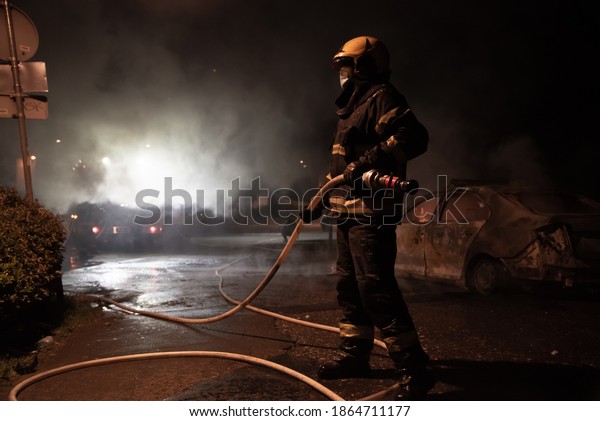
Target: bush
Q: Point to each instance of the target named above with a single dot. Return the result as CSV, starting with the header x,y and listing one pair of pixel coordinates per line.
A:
x,y
31,247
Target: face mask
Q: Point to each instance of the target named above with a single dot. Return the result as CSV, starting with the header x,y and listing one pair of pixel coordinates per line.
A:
x,y
346,73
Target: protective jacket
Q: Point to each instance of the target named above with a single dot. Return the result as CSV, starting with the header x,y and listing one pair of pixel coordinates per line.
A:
x,y
376,130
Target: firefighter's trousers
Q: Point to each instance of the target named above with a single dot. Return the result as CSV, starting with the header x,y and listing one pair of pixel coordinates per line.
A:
x,y
368,292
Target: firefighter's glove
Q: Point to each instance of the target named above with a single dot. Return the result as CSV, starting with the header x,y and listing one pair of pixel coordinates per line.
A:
x,y
353,172
308,216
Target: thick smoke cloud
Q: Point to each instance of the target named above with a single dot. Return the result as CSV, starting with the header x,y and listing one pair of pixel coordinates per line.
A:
x,y
207,92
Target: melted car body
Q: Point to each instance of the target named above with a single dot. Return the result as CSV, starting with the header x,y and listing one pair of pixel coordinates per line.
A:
x,y
481,235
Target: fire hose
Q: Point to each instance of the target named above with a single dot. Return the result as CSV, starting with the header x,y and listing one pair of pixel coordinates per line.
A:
x,y
371,179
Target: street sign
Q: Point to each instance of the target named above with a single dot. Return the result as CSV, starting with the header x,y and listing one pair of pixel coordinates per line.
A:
x,y
19,45
33,77
26,36
35,107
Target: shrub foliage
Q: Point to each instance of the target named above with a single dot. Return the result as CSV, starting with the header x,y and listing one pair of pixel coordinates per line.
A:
x,y
31,253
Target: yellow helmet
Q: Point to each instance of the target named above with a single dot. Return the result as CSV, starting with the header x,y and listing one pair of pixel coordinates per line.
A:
x,y
367,55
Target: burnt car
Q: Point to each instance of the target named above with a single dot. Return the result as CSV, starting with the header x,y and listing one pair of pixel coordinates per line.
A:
x,y
483,236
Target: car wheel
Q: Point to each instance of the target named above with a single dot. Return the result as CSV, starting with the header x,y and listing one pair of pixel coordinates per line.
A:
x,y
485,276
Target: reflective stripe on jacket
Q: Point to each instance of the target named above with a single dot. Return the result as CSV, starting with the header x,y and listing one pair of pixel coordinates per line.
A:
x,y
383,133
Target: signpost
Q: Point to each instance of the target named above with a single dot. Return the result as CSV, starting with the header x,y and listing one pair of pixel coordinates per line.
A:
x,y
20,45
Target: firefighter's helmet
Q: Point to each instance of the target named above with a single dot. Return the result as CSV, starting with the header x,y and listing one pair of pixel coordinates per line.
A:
x,y
367,55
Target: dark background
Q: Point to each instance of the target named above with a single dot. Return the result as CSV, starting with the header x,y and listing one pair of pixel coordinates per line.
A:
x,y
208,91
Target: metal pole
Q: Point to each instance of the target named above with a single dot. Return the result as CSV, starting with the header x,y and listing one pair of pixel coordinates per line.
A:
x,y
18,93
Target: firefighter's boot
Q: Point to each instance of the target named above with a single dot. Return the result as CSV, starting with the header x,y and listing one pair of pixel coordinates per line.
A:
x,y
414,380
353,361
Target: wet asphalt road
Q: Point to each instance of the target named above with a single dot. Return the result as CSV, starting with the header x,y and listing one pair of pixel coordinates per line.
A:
x,y
511,346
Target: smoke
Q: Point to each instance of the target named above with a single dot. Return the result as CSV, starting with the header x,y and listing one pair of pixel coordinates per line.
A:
x,y
204,93
519,160
133,106
468,152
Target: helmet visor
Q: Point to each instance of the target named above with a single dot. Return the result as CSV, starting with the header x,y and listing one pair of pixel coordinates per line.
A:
x,y
340,62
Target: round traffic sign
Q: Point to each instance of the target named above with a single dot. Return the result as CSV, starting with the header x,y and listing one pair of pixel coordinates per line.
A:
x,y
26,35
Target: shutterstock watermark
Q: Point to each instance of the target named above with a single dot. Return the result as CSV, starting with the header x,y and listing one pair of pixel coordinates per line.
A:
x,y
257,205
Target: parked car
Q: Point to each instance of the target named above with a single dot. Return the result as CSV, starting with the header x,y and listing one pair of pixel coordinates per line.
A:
x,y
106,227
482,235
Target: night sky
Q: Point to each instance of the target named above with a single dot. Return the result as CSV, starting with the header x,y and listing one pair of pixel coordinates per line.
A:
x,y
208,91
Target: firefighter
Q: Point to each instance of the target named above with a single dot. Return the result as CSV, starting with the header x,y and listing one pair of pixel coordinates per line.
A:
x,y
376,130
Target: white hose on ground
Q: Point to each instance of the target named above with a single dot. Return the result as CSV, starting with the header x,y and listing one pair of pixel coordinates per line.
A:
x,y
265,281
239,305
173,354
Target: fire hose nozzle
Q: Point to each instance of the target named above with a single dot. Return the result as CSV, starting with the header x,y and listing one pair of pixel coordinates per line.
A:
x,y
373,179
